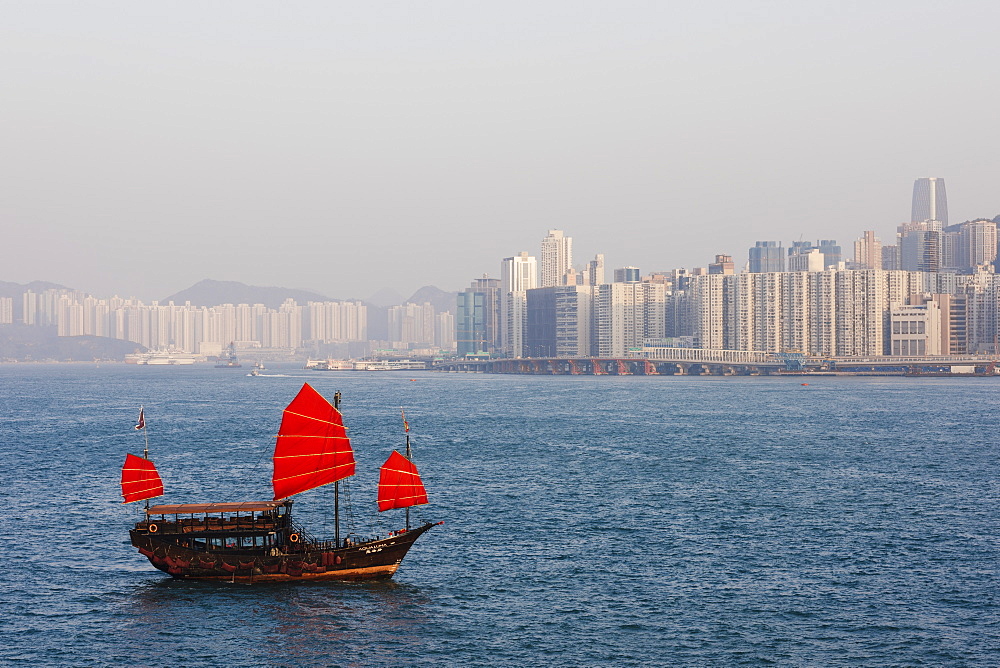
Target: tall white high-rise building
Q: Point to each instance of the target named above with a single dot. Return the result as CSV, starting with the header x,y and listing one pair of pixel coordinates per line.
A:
x,y
518,274
557,258
977,244
6,310
626,314
868,251
595,270
929,201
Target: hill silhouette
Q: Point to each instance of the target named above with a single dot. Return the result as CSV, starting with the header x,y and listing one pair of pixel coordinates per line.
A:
x,y
212,293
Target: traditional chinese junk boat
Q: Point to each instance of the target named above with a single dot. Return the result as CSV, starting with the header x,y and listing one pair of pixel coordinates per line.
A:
x,y
258,540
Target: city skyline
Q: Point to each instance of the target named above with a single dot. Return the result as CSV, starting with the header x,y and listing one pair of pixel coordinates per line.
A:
x,y
339,146
779,258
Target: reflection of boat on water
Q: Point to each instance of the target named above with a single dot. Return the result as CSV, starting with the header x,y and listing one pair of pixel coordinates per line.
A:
x,y
229,360
259,540
157,357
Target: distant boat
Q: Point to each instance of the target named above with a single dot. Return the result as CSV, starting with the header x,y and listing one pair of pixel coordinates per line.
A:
x,y
157,357
229,360
258,540
330,365
390,365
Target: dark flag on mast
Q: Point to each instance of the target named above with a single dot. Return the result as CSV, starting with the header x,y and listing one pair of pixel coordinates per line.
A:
x,y
142,420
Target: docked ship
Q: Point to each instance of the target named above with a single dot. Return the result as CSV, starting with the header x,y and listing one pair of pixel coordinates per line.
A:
x,y
229,360
259,540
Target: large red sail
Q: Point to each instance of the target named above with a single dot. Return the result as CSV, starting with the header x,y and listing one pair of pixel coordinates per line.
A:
x,y
140,481
399,484
312,447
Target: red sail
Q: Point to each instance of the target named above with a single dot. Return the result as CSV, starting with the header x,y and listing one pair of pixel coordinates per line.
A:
x,y
399,484
140,480
312,448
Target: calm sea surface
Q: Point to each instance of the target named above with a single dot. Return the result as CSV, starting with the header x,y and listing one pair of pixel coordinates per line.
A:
x,y
588,521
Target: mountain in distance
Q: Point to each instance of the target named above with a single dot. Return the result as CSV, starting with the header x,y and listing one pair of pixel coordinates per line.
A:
x,y
212,293
16,292
440,299
384,298
8,289
30,343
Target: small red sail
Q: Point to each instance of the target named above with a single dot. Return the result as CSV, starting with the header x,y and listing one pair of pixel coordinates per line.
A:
x,y
312,447
399,484
140,480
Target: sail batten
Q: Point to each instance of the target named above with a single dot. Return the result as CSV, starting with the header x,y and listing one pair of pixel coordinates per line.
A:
x,y
399,484
312,448
140,480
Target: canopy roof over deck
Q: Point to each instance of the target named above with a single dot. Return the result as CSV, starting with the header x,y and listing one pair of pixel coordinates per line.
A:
x,y
213,508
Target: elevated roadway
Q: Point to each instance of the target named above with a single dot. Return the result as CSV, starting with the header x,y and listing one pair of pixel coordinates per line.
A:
x,y
700,362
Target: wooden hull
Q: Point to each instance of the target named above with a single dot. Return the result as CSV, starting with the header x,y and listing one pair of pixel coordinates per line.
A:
x,y
375,560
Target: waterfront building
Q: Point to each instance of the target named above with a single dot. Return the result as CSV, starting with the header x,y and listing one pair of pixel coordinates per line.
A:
x,y
626,314
518,274
929,201
700,311
560,321
476,318
766,256
557,258
820,313
915,329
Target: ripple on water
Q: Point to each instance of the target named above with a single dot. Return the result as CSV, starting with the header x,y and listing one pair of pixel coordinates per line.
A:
x,y
615,521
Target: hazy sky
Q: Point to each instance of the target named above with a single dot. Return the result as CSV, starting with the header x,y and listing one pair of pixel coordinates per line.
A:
x,y
344,147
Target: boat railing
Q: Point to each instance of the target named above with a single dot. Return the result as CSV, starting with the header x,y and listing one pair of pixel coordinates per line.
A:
x,y
200,524
306,539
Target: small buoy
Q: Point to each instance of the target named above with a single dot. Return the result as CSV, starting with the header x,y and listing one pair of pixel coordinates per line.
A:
x,y
413,380
805,384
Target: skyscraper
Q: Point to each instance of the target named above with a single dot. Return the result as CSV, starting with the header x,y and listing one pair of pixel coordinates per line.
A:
x,y
929,201
476,317
627,275
518,274
919,246
767,256
595,270
868,251
557,257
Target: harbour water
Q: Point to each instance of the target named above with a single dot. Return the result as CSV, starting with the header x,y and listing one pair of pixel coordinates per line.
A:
x,y
588,521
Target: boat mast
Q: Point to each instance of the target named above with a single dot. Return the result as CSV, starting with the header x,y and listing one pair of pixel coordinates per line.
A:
x,y
336,489
406,428
145,449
